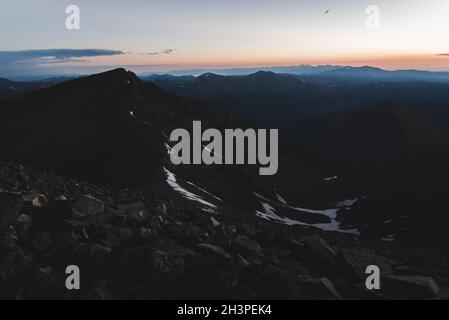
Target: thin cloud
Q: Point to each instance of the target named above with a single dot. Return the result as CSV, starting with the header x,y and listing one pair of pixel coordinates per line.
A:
x,y
443,54
165,51
53,55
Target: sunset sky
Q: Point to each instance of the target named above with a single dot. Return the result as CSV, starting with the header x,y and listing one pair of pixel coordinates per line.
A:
x,y
153,35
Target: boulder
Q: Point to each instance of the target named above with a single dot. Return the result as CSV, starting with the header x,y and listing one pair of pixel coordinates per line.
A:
x,y
242,261
221,237
355,261
99,259
271,283
231,229
10,206
132,215
158,261
117,236
319,288
155,223
246,246
88,206
23,223
45,270
214,222
215,251
136,218
42,241
147,233
132,259
99,291
8,242
131,208
60,197
161,210
321,251
412,287
271,256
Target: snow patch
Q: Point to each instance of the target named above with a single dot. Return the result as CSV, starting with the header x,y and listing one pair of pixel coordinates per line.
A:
x,y
347,203
280,199
171,180
205,191
389,238
269,213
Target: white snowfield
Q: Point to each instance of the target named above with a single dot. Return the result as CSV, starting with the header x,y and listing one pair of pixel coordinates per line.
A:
x,y
269,213
171,180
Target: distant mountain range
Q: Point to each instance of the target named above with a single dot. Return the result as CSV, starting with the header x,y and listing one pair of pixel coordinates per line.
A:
x,y
367,73
10,89
266,98
344,72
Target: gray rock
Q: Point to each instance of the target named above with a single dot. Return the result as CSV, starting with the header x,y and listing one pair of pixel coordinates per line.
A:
x,y
100,291
23,223
319,288
161,210
117,235
88,206
414,287
131,208
99,258
158,261
215,250
45,270
271,256
242,261
42,241
355,262
246,246
321,251
272,283
147,233
132,257
10,206
155,223
231,229
60,197
8,242
136,218
214,222
131,215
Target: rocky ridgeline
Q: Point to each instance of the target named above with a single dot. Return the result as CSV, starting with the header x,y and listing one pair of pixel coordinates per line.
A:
x,y
129,245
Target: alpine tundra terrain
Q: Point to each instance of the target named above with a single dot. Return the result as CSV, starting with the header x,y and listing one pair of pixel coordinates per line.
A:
x,y
86,179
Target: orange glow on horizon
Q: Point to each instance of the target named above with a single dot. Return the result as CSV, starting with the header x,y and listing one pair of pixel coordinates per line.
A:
x,y
172,62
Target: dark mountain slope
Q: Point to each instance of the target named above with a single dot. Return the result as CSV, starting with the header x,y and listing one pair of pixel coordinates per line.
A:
x,y
398,159
388,139
109,127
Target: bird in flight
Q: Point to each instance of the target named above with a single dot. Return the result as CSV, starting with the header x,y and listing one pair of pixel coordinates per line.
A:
x,y
327,11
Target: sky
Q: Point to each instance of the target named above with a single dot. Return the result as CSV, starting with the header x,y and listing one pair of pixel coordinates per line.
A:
x,y
164,35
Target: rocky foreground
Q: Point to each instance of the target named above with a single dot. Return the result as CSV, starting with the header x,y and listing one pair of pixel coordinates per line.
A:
x,y
130,245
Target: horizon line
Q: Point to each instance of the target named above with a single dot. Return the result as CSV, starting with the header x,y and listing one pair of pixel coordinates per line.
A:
x,y
203,70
